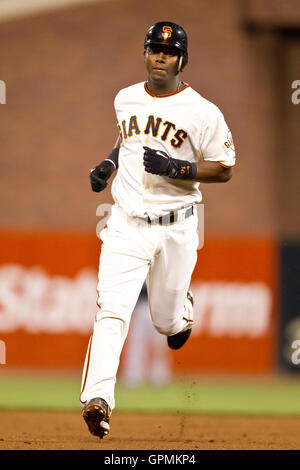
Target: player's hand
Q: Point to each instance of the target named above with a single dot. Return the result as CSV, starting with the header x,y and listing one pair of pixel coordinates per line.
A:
x,y
156,162
100,175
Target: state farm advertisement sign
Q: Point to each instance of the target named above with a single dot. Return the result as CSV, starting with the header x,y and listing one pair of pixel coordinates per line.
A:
x,y
46,317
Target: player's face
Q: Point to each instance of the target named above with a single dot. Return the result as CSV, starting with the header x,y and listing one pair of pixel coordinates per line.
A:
x,y
161,62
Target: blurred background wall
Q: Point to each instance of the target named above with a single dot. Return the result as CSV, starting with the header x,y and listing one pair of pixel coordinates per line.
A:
x,y
62,68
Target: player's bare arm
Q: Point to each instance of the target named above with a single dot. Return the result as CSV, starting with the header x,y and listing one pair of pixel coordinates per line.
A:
x,y
212,172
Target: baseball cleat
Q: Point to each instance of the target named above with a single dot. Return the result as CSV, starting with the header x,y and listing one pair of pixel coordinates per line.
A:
x,y
178,340
96,413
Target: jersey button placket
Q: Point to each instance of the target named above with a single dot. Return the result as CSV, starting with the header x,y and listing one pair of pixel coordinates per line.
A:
x,y
151,109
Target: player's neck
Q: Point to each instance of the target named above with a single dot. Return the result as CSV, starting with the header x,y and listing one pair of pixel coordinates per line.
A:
x,y
158,88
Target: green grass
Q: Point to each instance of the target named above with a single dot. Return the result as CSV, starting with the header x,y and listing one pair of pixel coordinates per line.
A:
x,y
40,392
214,397
229,396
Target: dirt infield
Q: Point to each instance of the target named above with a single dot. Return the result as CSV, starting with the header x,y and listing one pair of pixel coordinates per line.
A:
x,y
21,430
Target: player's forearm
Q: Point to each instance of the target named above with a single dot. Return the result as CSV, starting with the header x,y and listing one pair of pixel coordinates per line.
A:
x,y
114,158
212,172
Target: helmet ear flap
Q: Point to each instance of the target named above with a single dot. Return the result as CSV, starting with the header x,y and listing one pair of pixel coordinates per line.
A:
x,y
180,64
185,60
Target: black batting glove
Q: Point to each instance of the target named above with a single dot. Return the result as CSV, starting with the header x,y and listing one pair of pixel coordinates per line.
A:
x,y
158,162
100,174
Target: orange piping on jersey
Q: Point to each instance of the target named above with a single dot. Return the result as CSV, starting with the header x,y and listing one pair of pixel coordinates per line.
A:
x,y
168,94
98,283
188,320
87,368
226,166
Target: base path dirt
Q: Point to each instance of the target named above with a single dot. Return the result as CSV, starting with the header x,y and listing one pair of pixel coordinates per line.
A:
x,y
41,430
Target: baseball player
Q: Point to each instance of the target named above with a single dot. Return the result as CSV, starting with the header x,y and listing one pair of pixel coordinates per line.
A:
x,y
170,140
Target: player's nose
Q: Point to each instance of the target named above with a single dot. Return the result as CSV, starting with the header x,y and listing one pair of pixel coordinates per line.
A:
x,y
160,56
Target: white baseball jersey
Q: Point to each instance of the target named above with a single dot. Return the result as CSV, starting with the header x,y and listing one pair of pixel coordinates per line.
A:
x,y
183,124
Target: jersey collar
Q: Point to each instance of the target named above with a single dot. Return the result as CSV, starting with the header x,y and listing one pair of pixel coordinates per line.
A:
x,y
166,95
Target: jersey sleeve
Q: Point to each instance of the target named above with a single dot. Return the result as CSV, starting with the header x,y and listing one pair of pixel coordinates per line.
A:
x,y
117,101
216,144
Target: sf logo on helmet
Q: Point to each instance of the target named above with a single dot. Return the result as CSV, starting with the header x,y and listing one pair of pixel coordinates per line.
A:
x,y
167,32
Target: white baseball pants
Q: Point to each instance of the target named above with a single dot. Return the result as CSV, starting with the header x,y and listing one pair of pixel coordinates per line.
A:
x,y
132,251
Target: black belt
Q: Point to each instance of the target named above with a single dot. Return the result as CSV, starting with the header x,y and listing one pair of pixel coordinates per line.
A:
x,y
169,218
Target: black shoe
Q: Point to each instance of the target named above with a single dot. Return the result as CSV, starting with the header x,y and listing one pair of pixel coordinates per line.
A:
x,y
178,340
96,413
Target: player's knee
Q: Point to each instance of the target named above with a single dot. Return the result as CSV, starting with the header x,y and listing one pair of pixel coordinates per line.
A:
x,y
111,316
165,329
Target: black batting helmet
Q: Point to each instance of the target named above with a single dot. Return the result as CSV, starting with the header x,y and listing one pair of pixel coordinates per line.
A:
x,y
170,34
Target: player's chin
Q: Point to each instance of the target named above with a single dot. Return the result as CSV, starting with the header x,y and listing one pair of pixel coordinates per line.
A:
x,y
159,75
